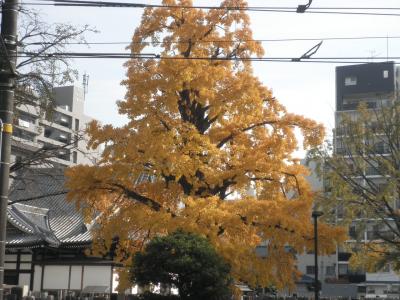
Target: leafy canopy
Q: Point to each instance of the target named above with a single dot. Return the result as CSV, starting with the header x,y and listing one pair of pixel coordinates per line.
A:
x,y
186,261
216,145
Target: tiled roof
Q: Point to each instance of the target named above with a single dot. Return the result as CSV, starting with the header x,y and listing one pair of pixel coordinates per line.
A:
x,y
50,220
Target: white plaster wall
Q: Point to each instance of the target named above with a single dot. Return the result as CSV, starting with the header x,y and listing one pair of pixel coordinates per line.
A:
x,y
56,277
10,266
383,276
26,257
97,275
24,279
25,266
115,282
76,276
11,257
37,278
324,261
379,289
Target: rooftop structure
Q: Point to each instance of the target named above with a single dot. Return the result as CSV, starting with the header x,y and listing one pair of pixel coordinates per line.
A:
x,y
47,238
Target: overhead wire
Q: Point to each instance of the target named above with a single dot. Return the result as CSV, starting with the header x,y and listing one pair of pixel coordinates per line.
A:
x,y
278,9
250,8
99,55
227,41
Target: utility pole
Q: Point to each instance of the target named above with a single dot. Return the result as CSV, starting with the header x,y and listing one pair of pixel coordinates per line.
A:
x,y
8,58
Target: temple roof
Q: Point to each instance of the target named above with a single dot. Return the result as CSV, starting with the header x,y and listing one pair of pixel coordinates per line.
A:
x,y
39,214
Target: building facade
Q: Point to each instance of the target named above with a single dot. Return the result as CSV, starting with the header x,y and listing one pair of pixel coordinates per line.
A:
x,y
375,85
48,241
60,128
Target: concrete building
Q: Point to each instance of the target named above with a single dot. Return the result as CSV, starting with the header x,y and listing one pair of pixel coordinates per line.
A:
x,y
375,85
60,128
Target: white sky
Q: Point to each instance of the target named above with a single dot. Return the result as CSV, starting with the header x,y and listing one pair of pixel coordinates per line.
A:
x,y
305,88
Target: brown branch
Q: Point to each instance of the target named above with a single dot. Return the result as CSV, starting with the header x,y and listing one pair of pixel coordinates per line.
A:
x,y
152,204
232,135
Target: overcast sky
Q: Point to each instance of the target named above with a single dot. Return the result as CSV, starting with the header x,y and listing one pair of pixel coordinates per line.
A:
x,y
305,88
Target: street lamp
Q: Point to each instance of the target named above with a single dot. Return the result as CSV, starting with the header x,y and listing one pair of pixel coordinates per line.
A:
x,y
315,215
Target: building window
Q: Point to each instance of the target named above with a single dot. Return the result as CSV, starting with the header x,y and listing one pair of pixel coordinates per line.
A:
x,y
343,269
385,74
310,270
361,289
350,80
352,232
330,270
75,157
76,124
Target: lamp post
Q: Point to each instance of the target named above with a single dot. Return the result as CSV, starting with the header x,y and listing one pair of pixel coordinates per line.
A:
x,y
315,215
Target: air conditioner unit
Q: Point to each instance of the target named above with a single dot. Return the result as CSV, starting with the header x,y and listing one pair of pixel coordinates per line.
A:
x,y
23,123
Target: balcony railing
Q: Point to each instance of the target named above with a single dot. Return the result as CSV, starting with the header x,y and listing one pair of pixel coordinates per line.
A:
x,y
355,105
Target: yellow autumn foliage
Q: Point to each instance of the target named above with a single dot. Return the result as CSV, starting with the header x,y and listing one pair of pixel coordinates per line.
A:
x,y
217,145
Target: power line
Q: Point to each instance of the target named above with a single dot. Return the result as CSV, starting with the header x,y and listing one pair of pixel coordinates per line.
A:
x,y
315,10
99,55
228,41
208,7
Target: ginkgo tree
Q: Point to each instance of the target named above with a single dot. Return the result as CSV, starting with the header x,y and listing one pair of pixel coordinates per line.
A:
x,y
216,149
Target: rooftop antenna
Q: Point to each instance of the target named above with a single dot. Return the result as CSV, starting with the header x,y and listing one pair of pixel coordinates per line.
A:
x,y
387,47
372,55
85,83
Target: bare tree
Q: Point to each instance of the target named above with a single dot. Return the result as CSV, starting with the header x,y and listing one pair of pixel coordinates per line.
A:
x,y
362,181
38,72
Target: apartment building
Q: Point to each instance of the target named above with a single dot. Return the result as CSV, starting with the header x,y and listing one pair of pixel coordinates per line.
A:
x,y
57,129
375,85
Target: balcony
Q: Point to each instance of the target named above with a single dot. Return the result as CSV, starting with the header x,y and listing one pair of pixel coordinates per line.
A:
x,y
373,171
379,235
64,155
63,120
355,105
24,135
57,135
63,138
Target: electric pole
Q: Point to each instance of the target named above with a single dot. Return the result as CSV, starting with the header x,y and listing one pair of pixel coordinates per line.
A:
x,y
8,57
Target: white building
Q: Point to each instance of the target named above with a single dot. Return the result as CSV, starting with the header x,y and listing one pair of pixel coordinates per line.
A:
x,y
59,128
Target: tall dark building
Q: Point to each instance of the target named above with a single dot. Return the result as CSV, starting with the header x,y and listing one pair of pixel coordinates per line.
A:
x,y
376,85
